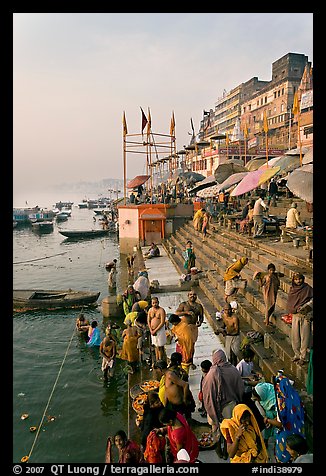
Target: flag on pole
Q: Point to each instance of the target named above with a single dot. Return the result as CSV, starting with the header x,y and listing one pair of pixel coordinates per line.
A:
x,y
149,123
245,130
295,109
265,126
192,127
144,120
124,122
172,125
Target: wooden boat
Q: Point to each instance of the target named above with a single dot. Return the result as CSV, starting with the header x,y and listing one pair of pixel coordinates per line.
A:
x,y
84,233
42,226
29,299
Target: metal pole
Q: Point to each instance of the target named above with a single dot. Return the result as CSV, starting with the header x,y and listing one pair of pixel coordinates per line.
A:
x,y
290,120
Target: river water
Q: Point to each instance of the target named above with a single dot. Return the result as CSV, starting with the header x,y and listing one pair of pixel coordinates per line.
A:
x,y
54,373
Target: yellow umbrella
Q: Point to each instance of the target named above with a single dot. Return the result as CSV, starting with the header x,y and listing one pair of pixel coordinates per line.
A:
x,y
268,174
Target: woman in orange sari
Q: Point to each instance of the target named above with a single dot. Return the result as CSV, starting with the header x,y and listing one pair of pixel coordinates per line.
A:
x,y
245,443
186,335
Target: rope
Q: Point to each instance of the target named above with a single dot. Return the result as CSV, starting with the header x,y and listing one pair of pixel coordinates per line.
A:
x,y
48,403
128,405
37,259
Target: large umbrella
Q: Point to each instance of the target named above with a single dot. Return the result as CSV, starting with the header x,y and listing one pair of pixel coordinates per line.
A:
x,y
191,177
232,180
308,157
268,174
249,182
232,166
207,182
271,163
137,181
288,163
254,164
300,183
209,191
296,151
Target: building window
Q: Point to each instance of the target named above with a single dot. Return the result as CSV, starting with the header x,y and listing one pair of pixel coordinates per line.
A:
x,y
249,107
274,94
265,99
282,107
278,93
282,91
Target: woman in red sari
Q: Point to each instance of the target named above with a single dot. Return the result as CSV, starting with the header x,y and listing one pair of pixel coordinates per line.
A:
x,y
179,434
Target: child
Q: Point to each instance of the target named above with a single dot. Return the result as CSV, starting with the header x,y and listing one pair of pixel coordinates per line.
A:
x,y
246,369
297,446
205,366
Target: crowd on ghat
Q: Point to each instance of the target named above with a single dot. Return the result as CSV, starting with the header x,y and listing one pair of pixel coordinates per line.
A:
x,y
246,414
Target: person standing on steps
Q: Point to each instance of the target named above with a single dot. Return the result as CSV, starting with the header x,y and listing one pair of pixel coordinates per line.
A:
x,y
223,389
230,328
205,225
259,208
189,257
300,304
156,318
232,277
270,283
192,309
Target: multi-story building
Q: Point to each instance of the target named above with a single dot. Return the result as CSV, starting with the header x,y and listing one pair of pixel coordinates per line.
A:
x,y
249,102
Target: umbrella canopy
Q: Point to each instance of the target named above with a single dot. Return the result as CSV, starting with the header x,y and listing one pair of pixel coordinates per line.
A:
x,y
232,166
191,177
232,180
137,181
308,157
254,164
271,163
300,183
287,163
268,174
249,182
207,182
296,151
209,191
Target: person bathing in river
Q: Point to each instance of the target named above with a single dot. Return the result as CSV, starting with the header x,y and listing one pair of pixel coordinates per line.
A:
x,y
94,336
81,323
108,351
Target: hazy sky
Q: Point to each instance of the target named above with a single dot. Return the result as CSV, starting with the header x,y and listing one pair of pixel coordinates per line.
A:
x,y
75,73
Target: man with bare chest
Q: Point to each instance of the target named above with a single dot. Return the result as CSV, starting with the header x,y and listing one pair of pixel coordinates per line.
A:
x,y
156,323
174,392
108,351
231,330
192,309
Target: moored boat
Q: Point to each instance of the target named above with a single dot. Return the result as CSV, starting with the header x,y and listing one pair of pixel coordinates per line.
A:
x,y
42,226
29,299
83,233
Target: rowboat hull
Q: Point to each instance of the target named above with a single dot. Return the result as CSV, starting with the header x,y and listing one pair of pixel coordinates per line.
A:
x,y
29,299
83,233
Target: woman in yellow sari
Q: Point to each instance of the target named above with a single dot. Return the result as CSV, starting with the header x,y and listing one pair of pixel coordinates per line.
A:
x,y
245,443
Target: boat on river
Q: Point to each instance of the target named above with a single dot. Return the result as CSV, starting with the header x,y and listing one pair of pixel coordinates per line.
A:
x,y
84,233
43,226
29,299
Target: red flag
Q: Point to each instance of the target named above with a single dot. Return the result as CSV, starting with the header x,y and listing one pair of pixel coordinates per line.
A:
x,y
144,120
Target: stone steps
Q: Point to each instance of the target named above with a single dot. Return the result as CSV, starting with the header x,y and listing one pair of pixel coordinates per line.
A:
x,y
251,306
